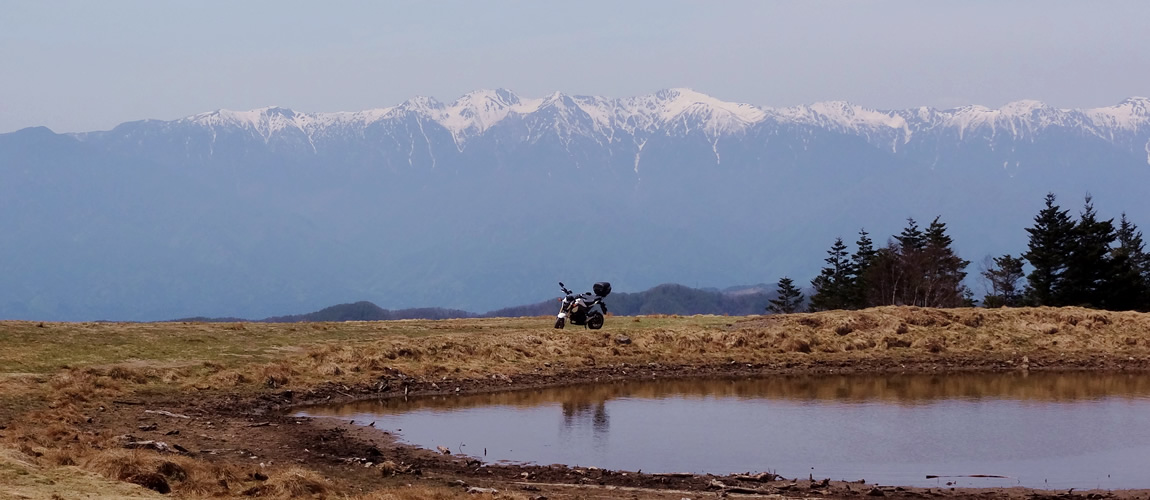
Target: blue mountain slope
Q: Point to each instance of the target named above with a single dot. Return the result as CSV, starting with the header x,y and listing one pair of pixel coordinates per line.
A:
x,y
487,201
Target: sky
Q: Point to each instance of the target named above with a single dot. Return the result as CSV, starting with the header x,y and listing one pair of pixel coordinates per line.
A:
x,y
80,65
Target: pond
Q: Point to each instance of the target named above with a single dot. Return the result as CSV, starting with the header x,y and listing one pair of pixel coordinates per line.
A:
x,y
1041,430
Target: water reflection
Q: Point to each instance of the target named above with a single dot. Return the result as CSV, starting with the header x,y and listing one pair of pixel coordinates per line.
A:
x,y
575,412
912,389
1055,430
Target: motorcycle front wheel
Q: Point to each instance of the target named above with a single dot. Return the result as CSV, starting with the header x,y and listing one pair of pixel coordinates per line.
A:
x,y
595,321
560,322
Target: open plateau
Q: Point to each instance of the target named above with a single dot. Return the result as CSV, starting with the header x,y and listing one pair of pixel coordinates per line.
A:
x,y
149,410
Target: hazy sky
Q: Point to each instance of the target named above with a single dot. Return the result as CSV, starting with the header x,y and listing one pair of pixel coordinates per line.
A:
x,y
87,65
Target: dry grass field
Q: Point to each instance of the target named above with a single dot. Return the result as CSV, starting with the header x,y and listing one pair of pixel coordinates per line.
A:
x,y
74,395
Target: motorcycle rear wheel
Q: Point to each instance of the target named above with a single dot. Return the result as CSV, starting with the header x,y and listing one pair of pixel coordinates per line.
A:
x,y
595,321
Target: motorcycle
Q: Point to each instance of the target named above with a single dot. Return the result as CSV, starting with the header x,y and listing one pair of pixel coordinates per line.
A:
x,y
586,309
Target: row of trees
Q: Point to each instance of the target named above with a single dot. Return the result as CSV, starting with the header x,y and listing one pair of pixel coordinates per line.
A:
x,y
1085,262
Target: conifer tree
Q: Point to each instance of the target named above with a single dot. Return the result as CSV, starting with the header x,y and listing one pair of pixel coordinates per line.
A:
x,y
861,261
916,268
1089,267
911,239
834,284
1004,278
1131,284
910,286
1130,242
1050,240
943,270
789,299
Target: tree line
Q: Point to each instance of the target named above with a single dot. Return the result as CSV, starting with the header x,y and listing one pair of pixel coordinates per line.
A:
x,y
1086,261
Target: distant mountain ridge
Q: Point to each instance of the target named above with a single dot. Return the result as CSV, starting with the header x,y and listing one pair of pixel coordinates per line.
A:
x,y
619,125
491,198
669,111
668,298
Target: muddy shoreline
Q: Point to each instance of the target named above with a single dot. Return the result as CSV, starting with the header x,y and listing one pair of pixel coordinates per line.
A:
x,y
262,426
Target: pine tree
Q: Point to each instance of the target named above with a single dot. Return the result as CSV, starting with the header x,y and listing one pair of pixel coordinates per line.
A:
x,y
1130,242
861,262
910,286
834,284
916,268
1089,267
911,239
1050,240
1004,278
943,270
1131,283
789,299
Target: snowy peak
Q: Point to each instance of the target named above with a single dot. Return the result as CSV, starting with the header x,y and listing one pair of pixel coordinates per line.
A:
x,y
1130,114
486,100
421,104
478,110
1025,107
1025,114
683,106
842,115
265,121
681,100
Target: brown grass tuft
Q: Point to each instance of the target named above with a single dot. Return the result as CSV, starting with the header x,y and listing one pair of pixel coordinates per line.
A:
x,y
797,345
62,456
170,376
228,378
173,471
810,321
118,464
28,450
152,481
277,374
297,481
127,374
973,320
388,468
330,370
932,344
185,475
895,342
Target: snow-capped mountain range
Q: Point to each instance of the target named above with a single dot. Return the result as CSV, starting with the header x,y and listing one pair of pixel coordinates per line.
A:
x,y
678,111
487,200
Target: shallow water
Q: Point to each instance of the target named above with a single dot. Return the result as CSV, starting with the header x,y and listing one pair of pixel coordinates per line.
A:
x,y
1041,430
